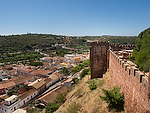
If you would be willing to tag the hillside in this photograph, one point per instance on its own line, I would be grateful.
(89, 100)
(15, 43)
(141, 54)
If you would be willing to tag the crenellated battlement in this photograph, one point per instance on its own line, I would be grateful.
(134, 83)
(99, 44)
(120, 47)
(130, 69)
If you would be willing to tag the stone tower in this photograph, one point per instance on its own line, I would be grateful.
(99, 59)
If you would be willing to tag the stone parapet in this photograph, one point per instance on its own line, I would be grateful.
(133, 82)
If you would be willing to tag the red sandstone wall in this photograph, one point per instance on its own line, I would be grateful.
(133, 83)
(98, 59)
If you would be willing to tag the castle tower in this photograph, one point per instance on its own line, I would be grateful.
(98, 59)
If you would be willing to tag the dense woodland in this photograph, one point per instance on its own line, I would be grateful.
(141, 54)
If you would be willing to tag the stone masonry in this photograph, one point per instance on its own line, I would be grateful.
(99, 61)
(134, 83)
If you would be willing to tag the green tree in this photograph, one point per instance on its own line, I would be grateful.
(51, 107)
(141, 54)
(26, 87)
(10, 92)
(84, 72)
(36, 63)
(64, 70)
(80, 66)
(114, 98)
(75, 80)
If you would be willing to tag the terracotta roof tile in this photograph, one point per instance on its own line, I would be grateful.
(9, 84)
(54, 76)
(40, 71)
(57, 73)
(26, 94)
(38, 84)
(48, 80)
(22, 79)
(49, 97)
(24, 69)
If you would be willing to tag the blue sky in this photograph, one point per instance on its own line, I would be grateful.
(75, 17)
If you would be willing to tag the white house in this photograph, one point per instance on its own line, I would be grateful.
(10, 105)
(15, 102)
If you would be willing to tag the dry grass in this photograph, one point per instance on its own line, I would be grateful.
(89, 100)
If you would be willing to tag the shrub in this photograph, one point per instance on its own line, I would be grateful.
(10, 92)
(75, 80)
(74, 108)
(98, 82)
(84, 72)
(92, 85)
(79, 93)
(26, 87)
(51, 107)
(114, 98)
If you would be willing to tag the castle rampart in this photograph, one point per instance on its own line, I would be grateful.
(133, 82)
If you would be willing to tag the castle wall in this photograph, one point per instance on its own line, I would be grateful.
(98, 59)
(133, 83)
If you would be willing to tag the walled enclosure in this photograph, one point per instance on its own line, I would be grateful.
(133, 82)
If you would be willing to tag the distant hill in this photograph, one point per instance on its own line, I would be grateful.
(16, 43)
(141, 54)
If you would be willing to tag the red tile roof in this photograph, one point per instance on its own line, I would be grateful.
(40, 72)
(9, 84)
(26, 94)
(57, 73)
(38, 84)
(25, 69)
(50, 96)
(22, 79)
(48, 80)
